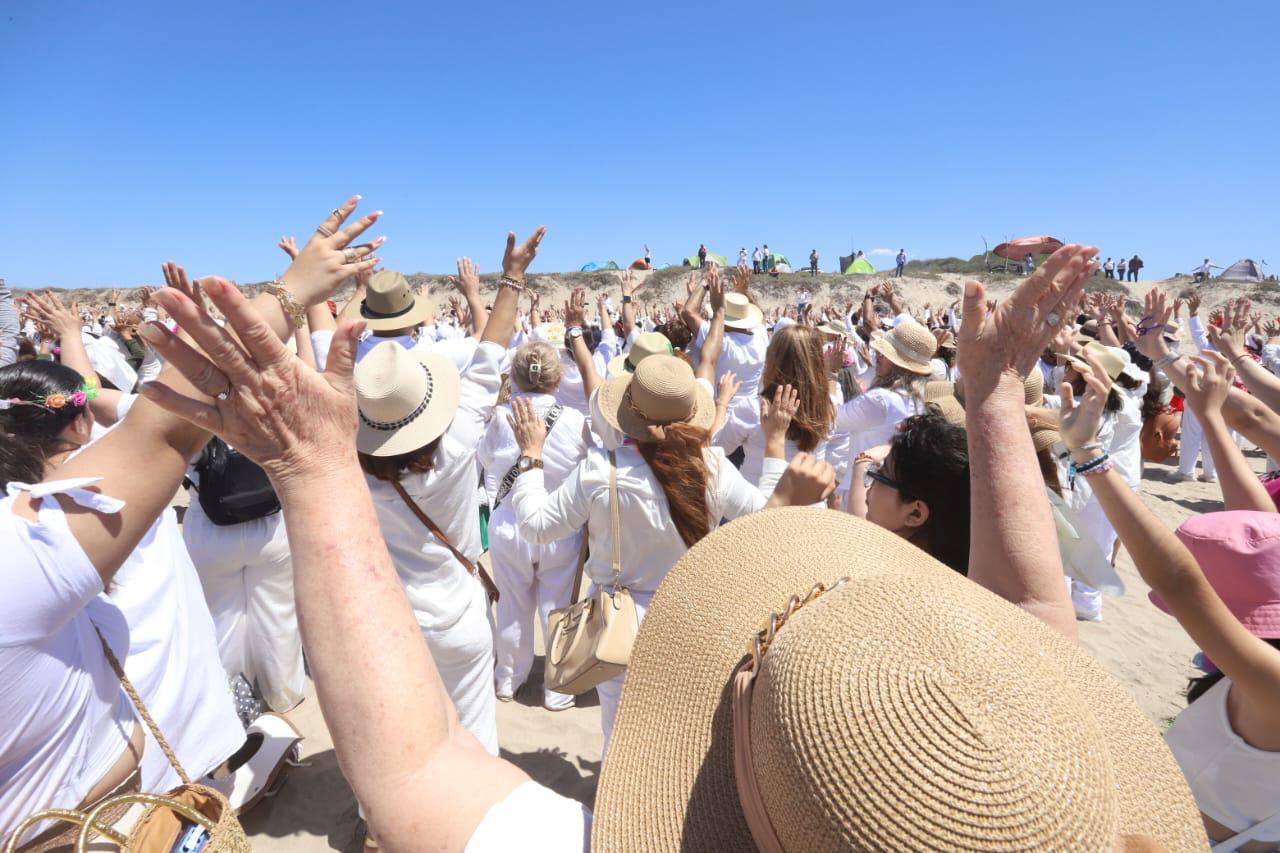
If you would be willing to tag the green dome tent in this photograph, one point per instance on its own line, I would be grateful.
(692, 260)
(612, 265)
(859, 266)
(773, 259)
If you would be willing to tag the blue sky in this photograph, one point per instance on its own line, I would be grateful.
(137, 132)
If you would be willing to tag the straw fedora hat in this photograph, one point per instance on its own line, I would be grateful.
(647, 344)
(942, 394)
(1107, 356)
(740, 313)
(389, 303)
(661, 391)
(908, 345)
(829, 328)
(407, 399)
(908, 708)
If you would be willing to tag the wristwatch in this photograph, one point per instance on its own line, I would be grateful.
(525, 463)
(573, 332)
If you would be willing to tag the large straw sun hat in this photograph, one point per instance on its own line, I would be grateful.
(907, 708)
(389, 303)
(908, 345)
(740, 313)
(662, 391)
(407, 399)
(646, 344)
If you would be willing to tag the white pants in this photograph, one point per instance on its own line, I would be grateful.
(247, 573)
(1193, 445)
(463, 654)
(529, 577)
(611, 691)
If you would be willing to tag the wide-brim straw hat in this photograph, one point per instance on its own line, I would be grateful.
(552, 333)
(909, 345)
(740, 313)
(942, 394)
(662, 391)
(646, 344)
(908, 708)
(1106, 356)
(829, 328)
(407, 398)
(390, 303)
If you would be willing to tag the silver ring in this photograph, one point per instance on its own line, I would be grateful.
(337, 212)
(224, 394)
(349, 255)
(325, 231)
(1051, 319)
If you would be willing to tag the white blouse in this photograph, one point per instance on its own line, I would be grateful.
(438, 587)
(742, 354)
(872, 418)
(565, 447)
(742, 429)
(650, 545)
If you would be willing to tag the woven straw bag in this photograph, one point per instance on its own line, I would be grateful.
(589, 642)
(162, 821)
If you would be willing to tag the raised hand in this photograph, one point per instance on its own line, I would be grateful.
(1229, 338)
(328, 259)
(468, 279)
(630, 282)
(1193, 304)
(690, 284)
(775, 417)
(726, 389)
(1005, 343)
(1209, 378)
(807, 480)
(516, 259)
(529, 428)
(575, 310)
(1079, 421)
(289, 246)
(715, 286)
(834, 355)
(741, 280)
(48, 311)
(1148, 334)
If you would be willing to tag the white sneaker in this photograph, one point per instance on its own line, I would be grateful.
(1209, 478)
(1180, 477)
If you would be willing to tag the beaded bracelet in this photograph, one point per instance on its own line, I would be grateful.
(513, 283)
(1097, 465)
(1165, 360)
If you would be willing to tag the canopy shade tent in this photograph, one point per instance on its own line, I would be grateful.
(1016, 250)
(859, 266)
(1245, 270)
(692, 260)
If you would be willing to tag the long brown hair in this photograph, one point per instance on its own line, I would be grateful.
(678, 466)
(795, 358)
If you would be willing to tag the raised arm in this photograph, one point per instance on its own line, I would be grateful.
(714, 343)
(64, 322)
(1230, 341)
(1013, 550)
(630, 284)
(468, 284)
(691, 313)
(575, 314)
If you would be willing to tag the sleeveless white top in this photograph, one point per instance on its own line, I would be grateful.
(1234, 783)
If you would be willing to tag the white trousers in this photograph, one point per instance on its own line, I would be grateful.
(531, 578)
(463, 654)
(611, 691)
(1193, 445)
(247, 574)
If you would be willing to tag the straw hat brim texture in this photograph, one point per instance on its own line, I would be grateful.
(907, 709)
(426, 427)
(418, 313)
(754, 318)
(617, 412)
(881, 344)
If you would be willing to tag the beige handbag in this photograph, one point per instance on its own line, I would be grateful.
(164, 818)
(589, 642)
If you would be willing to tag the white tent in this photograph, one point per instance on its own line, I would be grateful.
(1244, 270)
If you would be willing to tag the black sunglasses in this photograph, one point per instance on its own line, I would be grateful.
(873, 475)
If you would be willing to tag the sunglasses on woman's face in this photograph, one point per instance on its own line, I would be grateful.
(874, 475)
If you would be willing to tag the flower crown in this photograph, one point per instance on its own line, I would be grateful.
(88, 391)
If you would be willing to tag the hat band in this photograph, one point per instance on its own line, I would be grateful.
(407, 419)
(369, 314)
(631, 368)
(631, 404)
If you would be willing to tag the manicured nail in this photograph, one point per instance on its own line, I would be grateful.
(358, 197)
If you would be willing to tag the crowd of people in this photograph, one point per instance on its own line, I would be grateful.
(853, 543)
(1122, 270)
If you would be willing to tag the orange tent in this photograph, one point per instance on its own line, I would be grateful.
(1016, 250)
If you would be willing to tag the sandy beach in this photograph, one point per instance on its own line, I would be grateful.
(1141, 646)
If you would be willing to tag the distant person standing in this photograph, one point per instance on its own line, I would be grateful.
(802, 301)
(1121, 268)
(765, 263)
(1135, 264)
(742, 257)
(902, 263)
(1029, 264)
(1109, 268)
(757, 258)
(702, 256)
(813, 262)
(648, 257)
(1205, 271)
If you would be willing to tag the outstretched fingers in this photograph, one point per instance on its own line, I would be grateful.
(218, 345)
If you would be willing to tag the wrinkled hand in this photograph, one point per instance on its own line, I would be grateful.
(775, 417)
(516, 259)
(280, 413)
(806, 481)
(468, 279)
(530, 430)
(1209, 378)
(1079, 421)
(321, 265)
(1004, 344)
(289, 246)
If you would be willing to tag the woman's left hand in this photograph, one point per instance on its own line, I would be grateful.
(322, 264)
(528, 426)
(776, 418)
(1208, 383)
(1079, 422)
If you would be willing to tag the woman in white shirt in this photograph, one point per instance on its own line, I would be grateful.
(672, 487)
(902, 369)
(794, 358)
(531, 577)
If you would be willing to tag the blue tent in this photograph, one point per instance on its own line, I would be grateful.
(590, 266)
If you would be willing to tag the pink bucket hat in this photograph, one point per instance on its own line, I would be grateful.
(1239, 552)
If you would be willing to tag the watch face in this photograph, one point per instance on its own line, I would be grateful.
(524, 463)
(575, 332)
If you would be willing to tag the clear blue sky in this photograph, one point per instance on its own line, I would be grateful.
(131, 133)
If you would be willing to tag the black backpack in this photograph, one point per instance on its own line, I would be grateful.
(232, 488)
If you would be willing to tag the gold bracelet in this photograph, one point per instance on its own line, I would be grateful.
(511, 282)
(292, 307)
